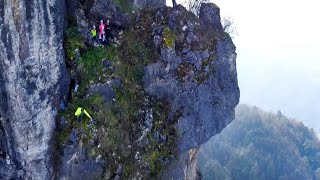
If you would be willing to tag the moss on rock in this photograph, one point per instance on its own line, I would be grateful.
(168, 38)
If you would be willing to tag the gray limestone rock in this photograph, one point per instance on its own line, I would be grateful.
(73, 137)
(75, 165)
(119, 170)
(33, 79)
(184, 168)
(107, 9)
(157, 41)
(207, 101)
(208, 106)
(106, 90)
(144, 4)
(210, 15)
(199, 82)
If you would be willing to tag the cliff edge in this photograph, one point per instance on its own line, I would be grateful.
(165, 84)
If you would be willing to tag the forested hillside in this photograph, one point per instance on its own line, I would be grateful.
(260, 145)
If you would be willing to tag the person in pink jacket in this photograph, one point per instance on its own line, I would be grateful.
(102, 31)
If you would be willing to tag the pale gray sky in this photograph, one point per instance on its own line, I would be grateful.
(278, 55)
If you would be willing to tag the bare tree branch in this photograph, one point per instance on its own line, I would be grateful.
(194, 5)
(229, 26)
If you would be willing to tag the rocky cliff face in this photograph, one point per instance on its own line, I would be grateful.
(33, 78)
(200, 81)
(167, 84)
(176, 88)
(144, 4)
(198, 76)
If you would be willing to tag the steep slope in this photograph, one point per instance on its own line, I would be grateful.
(261, 145)
(167, 85)
(196, 74)
(33, 78)
(208, 92)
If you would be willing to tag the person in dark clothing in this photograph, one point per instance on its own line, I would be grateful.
(108, 31)
(174, 3)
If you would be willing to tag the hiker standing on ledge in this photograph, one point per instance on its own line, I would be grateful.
(94, 34)
(102, 31)
(79, 113)
(108, 32)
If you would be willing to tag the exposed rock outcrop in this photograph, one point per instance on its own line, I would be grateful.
(210, 15)
(183, 168)
(172, 86)
(200, 82)
(181, 80)
(144, 4)
(108, 9)
(33, 79)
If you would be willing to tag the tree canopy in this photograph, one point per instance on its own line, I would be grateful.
(261, 145)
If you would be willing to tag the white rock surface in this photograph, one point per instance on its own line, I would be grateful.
(33, 78)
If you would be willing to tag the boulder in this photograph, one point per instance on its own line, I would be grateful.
(106, 90)
(146, 4)
(210, 15)
(74, 165)
(201, 82)
(107, 9)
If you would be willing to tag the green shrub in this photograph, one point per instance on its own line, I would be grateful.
(119, 123)
(88, 104)
(72, 40)
(92, 67)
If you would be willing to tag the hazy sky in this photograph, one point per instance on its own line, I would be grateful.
(278, 55)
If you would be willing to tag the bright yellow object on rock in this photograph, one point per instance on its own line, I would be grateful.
(79, 112)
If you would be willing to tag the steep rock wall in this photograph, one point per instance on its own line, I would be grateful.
(33, 78)
(143, 4)
(197, 76)
(192, 67)
(195, 73)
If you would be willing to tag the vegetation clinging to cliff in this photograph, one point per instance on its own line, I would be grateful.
(73, 40)
(118, 124)
(260, 145)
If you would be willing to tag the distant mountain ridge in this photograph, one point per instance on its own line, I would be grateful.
(261, 145)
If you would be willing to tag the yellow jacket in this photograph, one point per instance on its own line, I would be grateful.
(94, 32)
(78, 112)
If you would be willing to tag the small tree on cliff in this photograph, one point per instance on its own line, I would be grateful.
(194, 5)
(229, 26)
